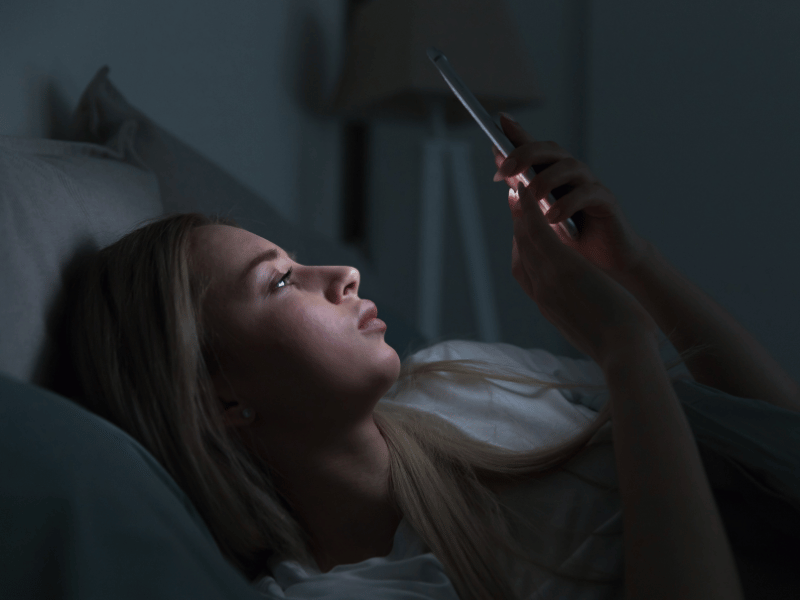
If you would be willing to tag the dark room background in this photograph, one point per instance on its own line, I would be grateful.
(687, 110)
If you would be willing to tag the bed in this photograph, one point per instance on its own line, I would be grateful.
(86, 512)
(60, 199)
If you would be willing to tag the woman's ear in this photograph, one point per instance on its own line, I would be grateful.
(223, 393)
(235, 414)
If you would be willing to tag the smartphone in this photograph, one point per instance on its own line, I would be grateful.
(490, 128)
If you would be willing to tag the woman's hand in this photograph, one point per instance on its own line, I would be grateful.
(606, 238)
(593, 312)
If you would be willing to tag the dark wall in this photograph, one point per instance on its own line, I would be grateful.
(694, 125)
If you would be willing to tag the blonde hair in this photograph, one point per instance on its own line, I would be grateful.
(143, 355)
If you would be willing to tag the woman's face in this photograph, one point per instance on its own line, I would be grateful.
(290, 349)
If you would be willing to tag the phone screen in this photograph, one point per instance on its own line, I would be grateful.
(490, 128)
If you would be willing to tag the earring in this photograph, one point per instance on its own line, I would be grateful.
(247, 413)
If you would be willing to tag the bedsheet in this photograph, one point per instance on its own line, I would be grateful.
(572, 520)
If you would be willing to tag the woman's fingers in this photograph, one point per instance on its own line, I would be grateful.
(569, 172)
(531, 153)
(583, 196)
(514, 131)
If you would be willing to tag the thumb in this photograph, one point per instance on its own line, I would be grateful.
(514, 131)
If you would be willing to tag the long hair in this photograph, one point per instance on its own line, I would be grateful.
(143, 354)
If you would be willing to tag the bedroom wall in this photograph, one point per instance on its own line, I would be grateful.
(677, 93)
(694, 125)
(236, 80)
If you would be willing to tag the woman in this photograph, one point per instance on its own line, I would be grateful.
(246, 375)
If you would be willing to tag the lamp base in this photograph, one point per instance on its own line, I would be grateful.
(434, 155)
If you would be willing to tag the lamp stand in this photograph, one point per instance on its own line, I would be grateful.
(465, 208)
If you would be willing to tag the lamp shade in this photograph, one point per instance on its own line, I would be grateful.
(387, 73)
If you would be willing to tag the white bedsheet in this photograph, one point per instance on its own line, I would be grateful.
(748, 436)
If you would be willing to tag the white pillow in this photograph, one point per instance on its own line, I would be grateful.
(57, 200)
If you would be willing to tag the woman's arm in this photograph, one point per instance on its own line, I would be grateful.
(738, 364)
(676, 547)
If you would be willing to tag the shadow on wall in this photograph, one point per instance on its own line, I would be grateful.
(58, 111)
(305, 66)
(47, 107)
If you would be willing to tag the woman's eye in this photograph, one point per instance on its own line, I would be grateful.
(285, 278)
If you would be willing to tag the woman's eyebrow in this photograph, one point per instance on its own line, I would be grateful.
(266, 256)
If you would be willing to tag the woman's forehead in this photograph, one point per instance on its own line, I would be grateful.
(213, 239)
(222, 247)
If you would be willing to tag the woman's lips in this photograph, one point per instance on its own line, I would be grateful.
(374, 325)
(368, 312)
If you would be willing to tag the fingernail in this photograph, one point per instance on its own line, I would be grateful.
(507, 167)
(509, 117)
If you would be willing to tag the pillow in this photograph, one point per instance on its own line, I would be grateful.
(87, 512)
(57, 200)
(190, 182)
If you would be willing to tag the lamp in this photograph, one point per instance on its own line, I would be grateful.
(387, 75)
